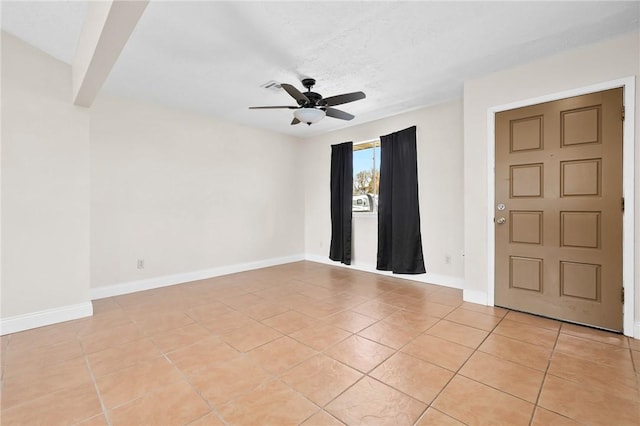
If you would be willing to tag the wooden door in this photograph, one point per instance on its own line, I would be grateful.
(559, 207)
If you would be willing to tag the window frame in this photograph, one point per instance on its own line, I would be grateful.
(359, 146)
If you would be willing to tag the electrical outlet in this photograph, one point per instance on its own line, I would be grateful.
(140, 263)
(447, 259)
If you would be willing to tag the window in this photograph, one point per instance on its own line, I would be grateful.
(366, 176)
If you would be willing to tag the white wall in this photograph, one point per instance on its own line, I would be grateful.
(45, 186)
(440, 160)
(582, 67)
(187, 193)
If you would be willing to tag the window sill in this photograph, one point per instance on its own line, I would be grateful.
(368, 215)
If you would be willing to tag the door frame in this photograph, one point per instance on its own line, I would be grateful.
(628, 188)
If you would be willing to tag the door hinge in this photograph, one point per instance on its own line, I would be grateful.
(622, 205)
(622, 294)
(622, 114)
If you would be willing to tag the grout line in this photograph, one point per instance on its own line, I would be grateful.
(212, 409)
(544, 378)
(457, 372)
(105, 412)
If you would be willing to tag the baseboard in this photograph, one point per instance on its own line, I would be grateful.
(438, 279)
(167, 280)
(46, 317)
(475, 296)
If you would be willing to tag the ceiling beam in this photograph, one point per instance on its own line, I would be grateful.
(104, 34)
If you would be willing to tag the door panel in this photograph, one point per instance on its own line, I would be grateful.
(559, 175)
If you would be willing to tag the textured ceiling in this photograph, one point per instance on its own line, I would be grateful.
(212, 57)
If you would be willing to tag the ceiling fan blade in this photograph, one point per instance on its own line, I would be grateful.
(336, 113)
(274, 107)
(345, 98)
(295, 93)
(294, 121)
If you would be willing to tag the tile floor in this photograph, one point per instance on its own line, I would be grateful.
(312, 344)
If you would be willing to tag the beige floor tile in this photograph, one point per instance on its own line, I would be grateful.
(250, 336)
(321, 378)
(375, 309)
(290, 322)
(458, 333)
(418, 379)
(122, 356)
(180, 337)
(586, 405)
(615, 380)
(527, 333)
(438, 351)
(534, 320)
(507, 376)
(433, 417)
(101, 322)
(271, 404)
(450, 297)
(345, 300)
(24, 362)
(543, 417)
(369, 399)
(350, 321)
(411, 320)
(320, 336)
(222, 382)
(487, 310)
(111, 337)
(20, 388)
(322, 418)
(38, 338)
(99, 420)
(513, 350)
(242, 301)
(597, 335)
(202, 354)
(591, 350)
(227, 322)
(67, 406)
(163, 321)
(389, 334)
(104, 305)
(482, 404)
(432, 309)
(211, 419)
(360, 353)
(177, 403)
(133, 382)
(411, 340)
(263, 310)
(473, 319)
(281, 354)
(208, 312)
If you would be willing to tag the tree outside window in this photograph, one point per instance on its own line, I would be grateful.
(366, 176)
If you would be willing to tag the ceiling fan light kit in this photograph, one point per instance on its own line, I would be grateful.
(309, 115)
(312, 107)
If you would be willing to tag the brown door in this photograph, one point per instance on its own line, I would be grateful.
(558, 209)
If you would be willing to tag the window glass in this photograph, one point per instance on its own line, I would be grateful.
(366, 176)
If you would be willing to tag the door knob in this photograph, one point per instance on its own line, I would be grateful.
(501, 220)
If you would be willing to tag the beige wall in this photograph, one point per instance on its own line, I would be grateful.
(87, 192)
(45, 184)
(187, 193)
(440, 159)
(582, 67)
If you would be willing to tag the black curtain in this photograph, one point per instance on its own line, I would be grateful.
(399, 239)
(341, 199)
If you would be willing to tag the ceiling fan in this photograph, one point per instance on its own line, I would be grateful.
(312, 107)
